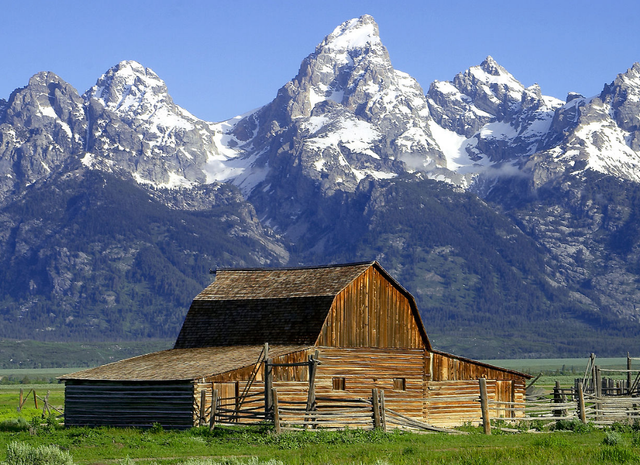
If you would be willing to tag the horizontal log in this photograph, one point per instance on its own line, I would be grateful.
(284, 416)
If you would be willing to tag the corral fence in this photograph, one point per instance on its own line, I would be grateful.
(327, 413)
(592, 399)
(567, 404)
(332, 413)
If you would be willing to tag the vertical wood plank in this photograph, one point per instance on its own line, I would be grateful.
(268, 385)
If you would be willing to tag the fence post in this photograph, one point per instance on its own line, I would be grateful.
(21, 400)
(45, 407)
(311, 393)
(558, 398)
(203, 406)
(376, 408)
(383, 414)
(598, 390)
(628, 374)
(276, 411)
(214, 408)
(35, 399)
(268, 385)
(583, 413)
(484, 404)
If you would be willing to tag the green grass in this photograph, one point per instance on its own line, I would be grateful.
(109, 445)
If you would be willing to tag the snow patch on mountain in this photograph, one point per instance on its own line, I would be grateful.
(354, 34)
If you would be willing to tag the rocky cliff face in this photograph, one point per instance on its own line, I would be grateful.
(41, 126)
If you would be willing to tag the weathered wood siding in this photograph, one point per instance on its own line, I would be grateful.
(371, 312)
(449, 367)
(129, 404)
(365, 369)
(453, 403)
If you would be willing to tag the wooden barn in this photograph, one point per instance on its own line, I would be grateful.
(334, 332)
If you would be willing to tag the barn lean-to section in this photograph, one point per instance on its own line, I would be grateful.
(363, 327)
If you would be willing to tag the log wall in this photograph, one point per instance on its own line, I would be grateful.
(129, 404)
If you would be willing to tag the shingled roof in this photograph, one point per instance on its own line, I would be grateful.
(253, 306)
(180, 364)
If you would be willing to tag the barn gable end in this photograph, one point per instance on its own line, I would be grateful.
(373, 311)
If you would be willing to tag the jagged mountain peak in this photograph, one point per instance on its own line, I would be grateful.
(353, 34)
(490, 73)
(626, 85)
(490, 66)
(129, 87)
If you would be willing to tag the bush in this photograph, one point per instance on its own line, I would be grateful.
(612, 438)
(19, 453)
(573, 425)
(14, 425)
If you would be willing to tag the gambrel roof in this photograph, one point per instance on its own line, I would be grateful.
(278, 306)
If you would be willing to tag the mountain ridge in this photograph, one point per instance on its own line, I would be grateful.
(516, 206)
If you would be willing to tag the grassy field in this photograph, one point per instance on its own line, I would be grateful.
(106, 446)
(17, 354)
(561, 365)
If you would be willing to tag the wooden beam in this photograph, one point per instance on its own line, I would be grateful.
(203, 404)
(376, 408)
(268, 385)
(276, 411)
(583, 413)
(214, 408)
(484, 404)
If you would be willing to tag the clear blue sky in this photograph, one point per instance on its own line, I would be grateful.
(220, 59)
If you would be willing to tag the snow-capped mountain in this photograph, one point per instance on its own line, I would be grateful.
(134, 125)
(600, 133)
(348, 114)
(344, 164)
(487, 122)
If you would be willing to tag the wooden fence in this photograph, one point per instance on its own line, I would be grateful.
(569, 404)
(47, 408)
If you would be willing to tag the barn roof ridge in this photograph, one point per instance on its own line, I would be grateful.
(304, 267)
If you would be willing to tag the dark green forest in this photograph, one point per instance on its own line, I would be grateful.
(97, 258)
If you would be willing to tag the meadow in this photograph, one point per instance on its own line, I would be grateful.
(559, 443)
